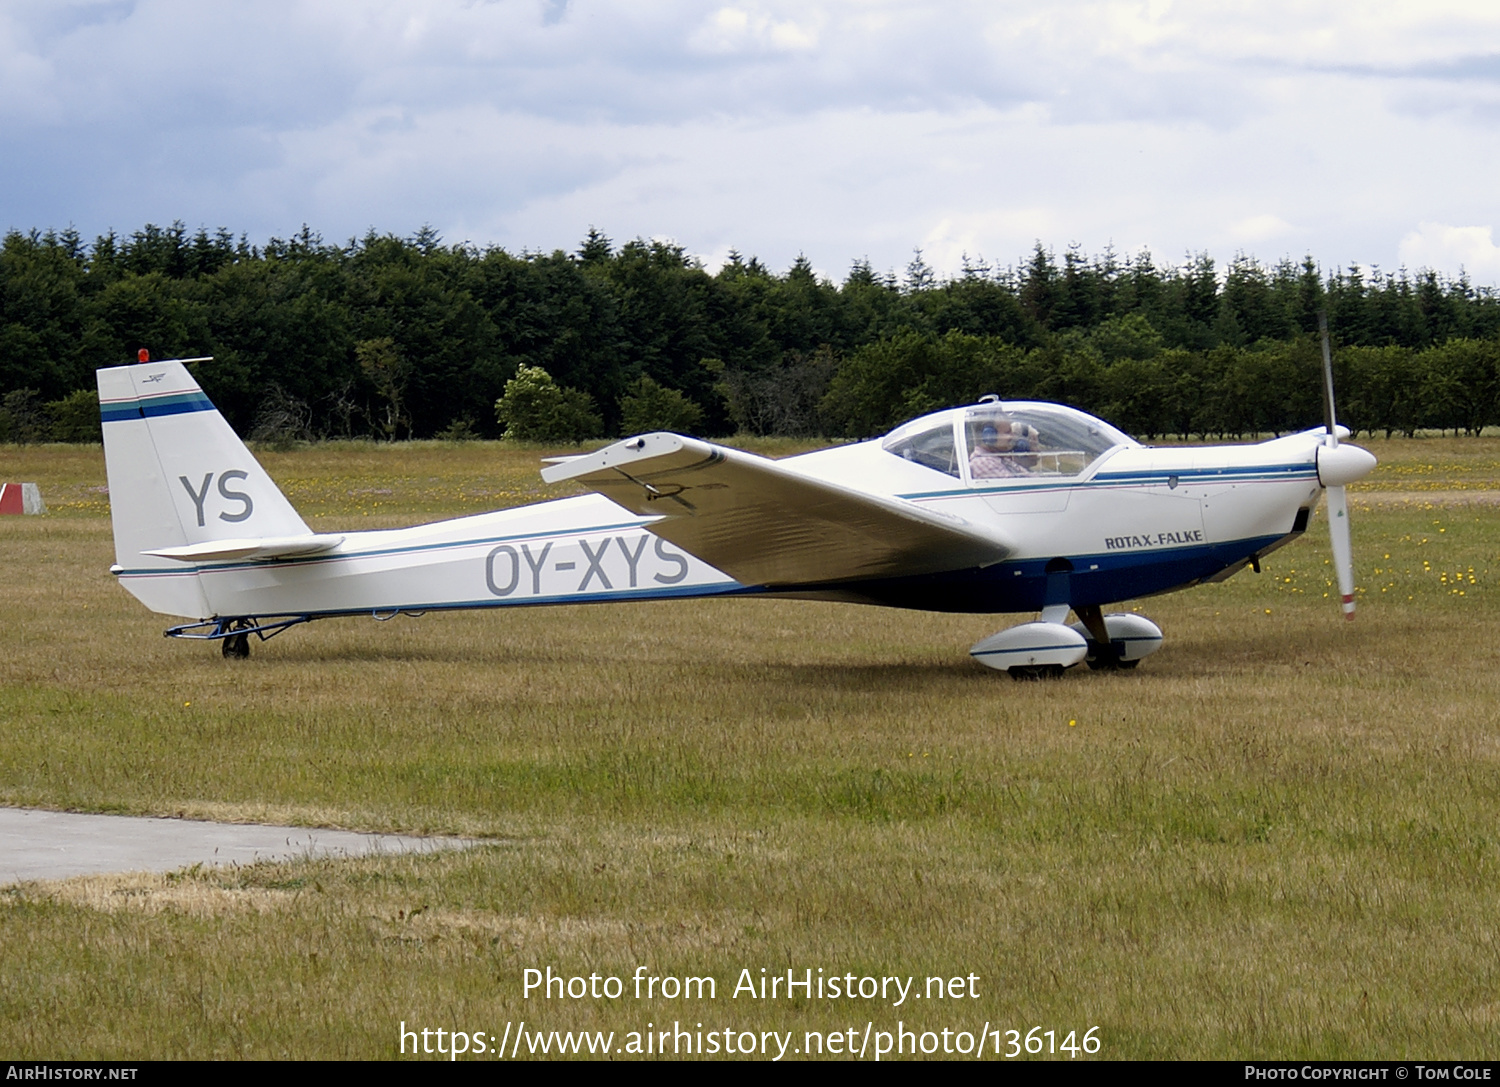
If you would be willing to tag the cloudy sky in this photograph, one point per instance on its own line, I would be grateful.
(843, 129)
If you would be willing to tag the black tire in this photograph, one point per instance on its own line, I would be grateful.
(1106, 658)
(236, 647)
(1036, 671)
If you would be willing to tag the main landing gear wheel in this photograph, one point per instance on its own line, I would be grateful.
(1108, 656)
(1118, 641)
(236, 647)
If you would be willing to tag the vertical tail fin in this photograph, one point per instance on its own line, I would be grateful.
(178, 476)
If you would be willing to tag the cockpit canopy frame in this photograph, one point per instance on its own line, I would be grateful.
(995, 441)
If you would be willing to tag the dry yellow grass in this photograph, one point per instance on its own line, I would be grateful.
(1276, 838)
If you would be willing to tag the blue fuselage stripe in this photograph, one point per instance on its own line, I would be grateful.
(1270, 473)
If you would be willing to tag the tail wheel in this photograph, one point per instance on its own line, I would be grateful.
(236, 647)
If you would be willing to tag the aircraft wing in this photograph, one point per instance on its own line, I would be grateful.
(763, 523)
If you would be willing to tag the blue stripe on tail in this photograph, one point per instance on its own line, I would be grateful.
(151, 407)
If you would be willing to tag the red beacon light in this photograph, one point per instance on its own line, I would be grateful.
(143, 355)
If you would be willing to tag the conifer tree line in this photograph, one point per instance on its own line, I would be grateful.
(395, 337)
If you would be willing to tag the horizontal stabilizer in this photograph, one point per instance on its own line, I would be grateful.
(267, 548)
(765, 523)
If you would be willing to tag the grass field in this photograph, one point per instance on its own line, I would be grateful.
(1280, 837)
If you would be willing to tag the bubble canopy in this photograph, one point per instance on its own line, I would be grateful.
(997, 440)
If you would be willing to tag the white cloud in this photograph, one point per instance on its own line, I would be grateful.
(972, 235)
(841, 128)
(1259, 228)
(1451, 249)
(732, 30)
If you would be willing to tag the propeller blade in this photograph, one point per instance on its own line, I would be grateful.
(1328, 421)
(1343, 552)
(1338, 498)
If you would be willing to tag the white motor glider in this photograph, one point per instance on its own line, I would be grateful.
(995, 507)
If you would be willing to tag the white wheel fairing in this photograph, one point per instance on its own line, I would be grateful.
(1031, 645)
(1135, 635)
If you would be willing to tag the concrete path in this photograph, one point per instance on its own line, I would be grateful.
(56, 845)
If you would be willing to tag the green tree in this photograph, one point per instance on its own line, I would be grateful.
(1458, 384)
(1128, 337)
(783, 399)
(24, 418)
(417, 293)
(648, 406)
(535, 409)
(909, 374)
(75, 418)
(1139, 394)
(555, 312)
(1272, 388)
(382, 363)
(282, 420)
(1378, 388)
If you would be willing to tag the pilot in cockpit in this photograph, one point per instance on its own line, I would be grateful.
(1004, 449)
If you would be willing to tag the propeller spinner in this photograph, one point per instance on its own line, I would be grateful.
(1339, 466)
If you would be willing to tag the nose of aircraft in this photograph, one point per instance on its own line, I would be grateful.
(1340, 465)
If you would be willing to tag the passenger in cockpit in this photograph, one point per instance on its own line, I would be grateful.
(1004, 449)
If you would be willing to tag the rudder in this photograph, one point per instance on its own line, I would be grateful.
(178, 475)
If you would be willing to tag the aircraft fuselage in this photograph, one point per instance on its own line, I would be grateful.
(1138, 521)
